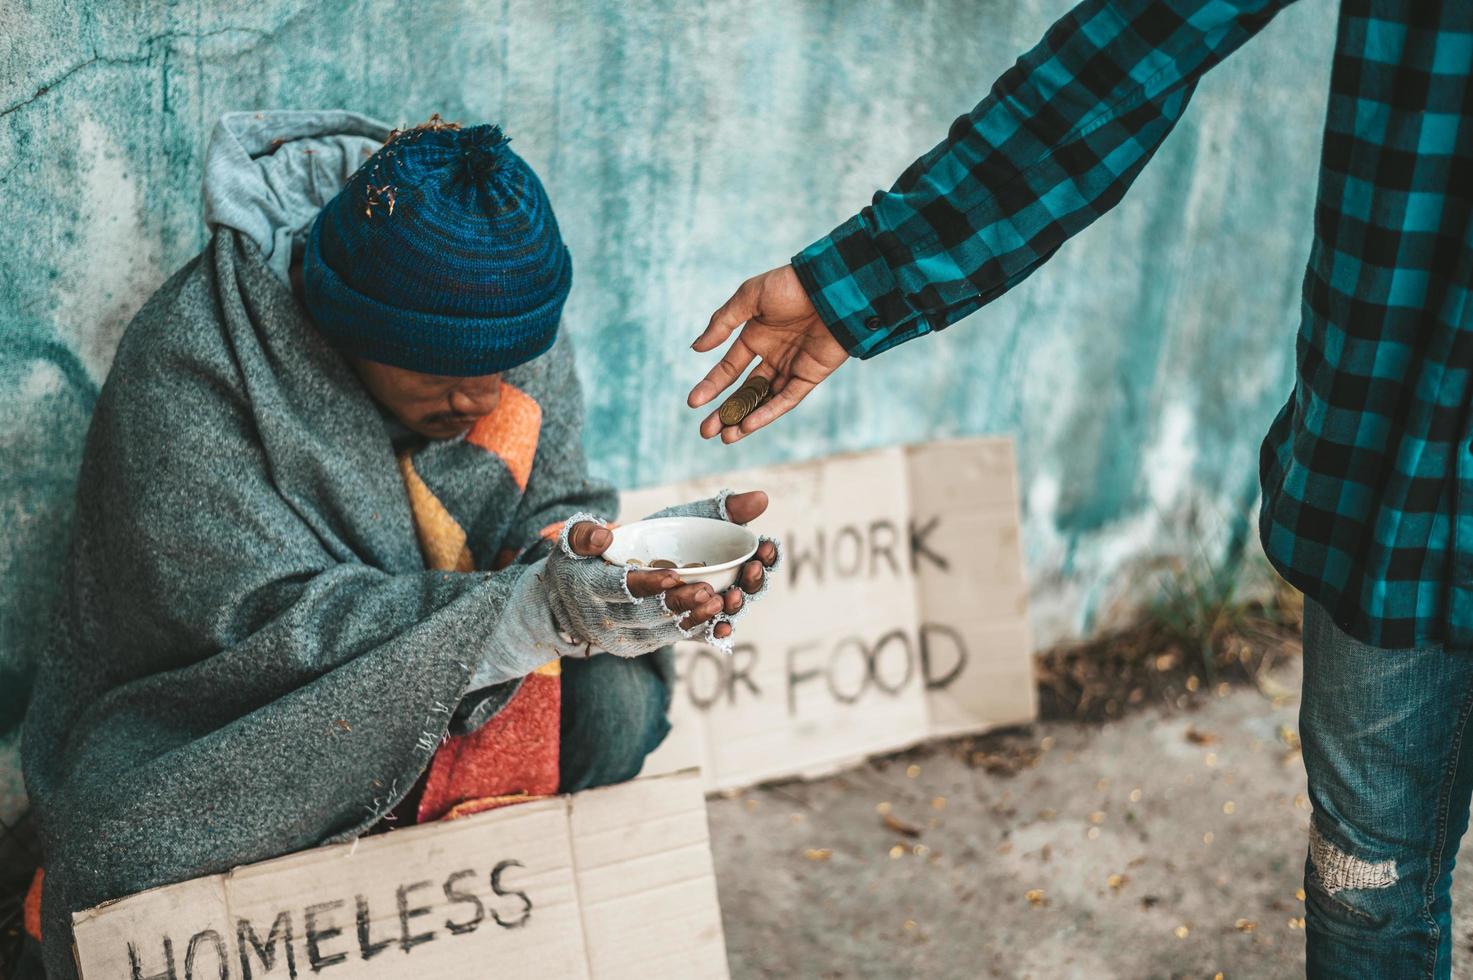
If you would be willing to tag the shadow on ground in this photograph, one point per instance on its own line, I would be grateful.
(1166, 844)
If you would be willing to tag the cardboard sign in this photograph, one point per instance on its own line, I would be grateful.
(609, 883)
(900, 615)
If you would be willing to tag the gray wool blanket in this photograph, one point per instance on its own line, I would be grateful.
(251, 657)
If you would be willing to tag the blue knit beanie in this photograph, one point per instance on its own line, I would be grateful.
(441, 255)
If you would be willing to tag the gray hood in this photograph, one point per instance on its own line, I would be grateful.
(267, 174)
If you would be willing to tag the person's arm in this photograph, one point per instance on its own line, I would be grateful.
(1054, 146)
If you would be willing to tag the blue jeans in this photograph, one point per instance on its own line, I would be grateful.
(614, 714)
(1390, 778)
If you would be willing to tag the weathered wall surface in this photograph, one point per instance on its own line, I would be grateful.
(685, 147)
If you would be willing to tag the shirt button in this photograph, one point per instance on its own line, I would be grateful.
(873, 323)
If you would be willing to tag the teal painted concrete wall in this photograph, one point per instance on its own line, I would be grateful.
(686, 146)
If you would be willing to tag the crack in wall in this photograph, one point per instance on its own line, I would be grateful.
(146, 54)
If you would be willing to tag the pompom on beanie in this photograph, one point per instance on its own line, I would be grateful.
(440, 255)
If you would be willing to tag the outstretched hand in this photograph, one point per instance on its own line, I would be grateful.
(783, 329)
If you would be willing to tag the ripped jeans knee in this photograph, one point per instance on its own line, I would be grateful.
(1352, 883)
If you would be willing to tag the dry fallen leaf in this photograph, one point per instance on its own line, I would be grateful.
(1035, 897)
(1198, 737)
(1245, 925)
(894, 823)
(1117, 882)
(818, 853)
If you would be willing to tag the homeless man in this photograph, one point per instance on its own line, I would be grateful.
(333, 540)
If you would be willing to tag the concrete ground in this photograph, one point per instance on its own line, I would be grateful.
(1162, 845)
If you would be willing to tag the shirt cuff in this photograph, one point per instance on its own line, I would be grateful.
(855, 293)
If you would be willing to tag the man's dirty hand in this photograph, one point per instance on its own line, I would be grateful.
(742, 508)
(783, 329)
(591, 541)
(697, 603)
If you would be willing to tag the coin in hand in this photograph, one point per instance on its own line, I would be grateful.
(744, 400)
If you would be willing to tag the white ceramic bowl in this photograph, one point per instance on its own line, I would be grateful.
(719, 547)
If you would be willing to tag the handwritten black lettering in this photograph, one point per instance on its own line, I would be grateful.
(882, 542)
(930, 632)
(800, 557)
(855, 644)
(217, 942)
(137, 967)
(742, 659)
(496, 874)
(919, 548)
(246, 939)
(453, 894)
(316, 936)
(401, 895)
(260, 957)
(908, 659)
(699, 696)
(796, 677)
(367, 947)
(848, 565)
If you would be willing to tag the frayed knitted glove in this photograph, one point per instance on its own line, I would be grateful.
(591, 602)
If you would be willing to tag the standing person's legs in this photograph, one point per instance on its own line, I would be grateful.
(1390, 777)
(614, 714)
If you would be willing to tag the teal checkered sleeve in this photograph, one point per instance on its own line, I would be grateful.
(1367, 473)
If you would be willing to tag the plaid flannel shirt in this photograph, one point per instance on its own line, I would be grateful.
(1367, 473)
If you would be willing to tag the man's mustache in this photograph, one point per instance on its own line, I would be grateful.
(449, 418)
